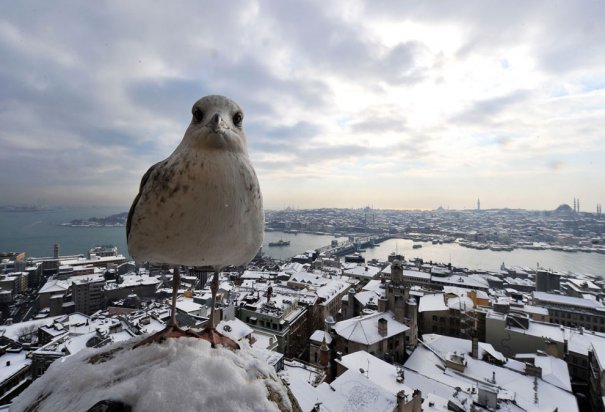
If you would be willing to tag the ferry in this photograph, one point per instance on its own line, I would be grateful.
(280, 243)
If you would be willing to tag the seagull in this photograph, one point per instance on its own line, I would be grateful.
(200, 207)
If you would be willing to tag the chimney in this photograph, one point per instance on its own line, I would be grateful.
(413, 405)
(475, 348)
(533, 370)
(324, 359)
(382, 327)
(382, 304)
(350, 303)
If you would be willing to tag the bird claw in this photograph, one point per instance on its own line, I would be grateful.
(216, 339)
(172, 331)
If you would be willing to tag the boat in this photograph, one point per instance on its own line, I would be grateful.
(280, 243)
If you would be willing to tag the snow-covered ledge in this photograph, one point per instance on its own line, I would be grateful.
(179, 374)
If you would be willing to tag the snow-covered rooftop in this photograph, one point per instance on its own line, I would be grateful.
(353, 391)
(12, 362)
(364, 329)
(509, 383)
(234, 329)
(467, 281)
(432, 303)
(54, 285)
(320, 335)
(362, 271)
(378, 371)
(567, 300)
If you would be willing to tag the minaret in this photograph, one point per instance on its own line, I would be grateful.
(324, 359)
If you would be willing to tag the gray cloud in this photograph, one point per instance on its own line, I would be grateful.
(484, 111)
(326, 41)
(563, 36)
(380, 119)
(94, 95)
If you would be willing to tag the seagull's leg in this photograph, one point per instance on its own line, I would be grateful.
(172, 329)
(176, 282)
(209, 333)
(213, 290)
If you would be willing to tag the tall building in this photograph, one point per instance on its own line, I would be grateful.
(88, 294)
(478, 204)
(547, 281)
(398, 300)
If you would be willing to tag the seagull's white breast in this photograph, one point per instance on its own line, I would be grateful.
(199, 208)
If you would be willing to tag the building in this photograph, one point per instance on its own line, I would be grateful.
(596, 358)
(465, 373)
(379, 334)
(547, 281)
(572, 311)
(15, 373)
(87, 293)
(281, 314)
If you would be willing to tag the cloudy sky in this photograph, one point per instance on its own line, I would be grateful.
(396, 104)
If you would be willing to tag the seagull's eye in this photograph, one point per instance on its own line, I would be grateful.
(238, 118)
(198, 115)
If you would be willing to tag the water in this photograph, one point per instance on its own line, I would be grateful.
(36, 232)
(579, 262)
(299, 243)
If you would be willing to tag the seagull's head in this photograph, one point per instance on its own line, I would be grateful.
(217, 123)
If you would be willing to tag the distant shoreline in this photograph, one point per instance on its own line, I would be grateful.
(24, 209)
(117, 220)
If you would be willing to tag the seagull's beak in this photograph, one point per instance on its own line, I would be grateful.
(216, 123)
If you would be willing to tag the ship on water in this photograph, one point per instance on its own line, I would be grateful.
(280, 243)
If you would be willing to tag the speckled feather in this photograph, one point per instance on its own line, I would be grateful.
(202, 206)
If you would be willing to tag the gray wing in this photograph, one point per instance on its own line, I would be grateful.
(136, 199)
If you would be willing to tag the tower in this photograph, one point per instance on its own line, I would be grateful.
(396, 293)
(324, 359)
(412, 315)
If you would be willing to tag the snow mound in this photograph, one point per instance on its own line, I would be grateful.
(178, 375)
